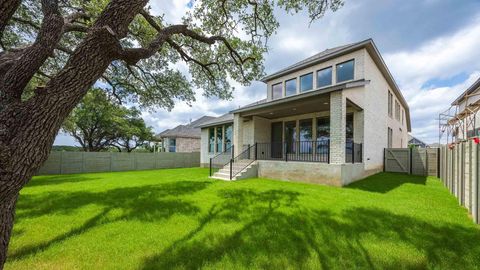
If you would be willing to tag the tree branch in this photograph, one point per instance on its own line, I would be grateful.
(7, 9)
(32, 58)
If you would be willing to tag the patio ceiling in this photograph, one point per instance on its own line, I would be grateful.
(300, 106)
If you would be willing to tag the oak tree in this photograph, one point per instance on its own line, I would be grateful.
(54, 51)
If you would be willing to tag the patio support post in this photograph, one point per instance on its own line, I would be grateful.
(338, 113)
(237, 133)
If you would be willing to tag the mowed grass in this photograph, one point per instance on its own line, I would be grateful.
(180, 219)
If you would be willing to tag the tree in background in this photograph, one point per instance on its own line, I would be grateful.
(133, 132)
(97, 123)
(53, 52)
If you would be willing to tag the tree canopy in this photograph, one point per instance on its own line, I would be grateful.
(98, 123)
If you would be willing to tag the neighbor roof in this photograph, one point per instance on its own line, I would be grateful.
(475, 86)
(186, 131)
(224, 119)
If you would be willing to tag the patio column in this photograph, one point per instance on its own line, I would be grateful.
(358, 117)
(338, 113)
(237, 134)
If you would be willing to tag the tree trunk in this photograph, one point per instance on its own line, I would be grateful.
(7, 212)
(28, 128)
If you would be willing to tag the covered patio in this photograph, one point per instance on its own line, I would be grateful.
(321, 127)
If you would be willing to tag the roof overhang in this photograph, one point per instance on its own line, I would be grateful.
(303, 96)
(372, 49)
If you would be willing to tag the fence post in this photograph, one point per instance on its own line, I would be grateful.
(231, 162)
(384, 158)
(353, 152)
(210, 166)
(256, 147)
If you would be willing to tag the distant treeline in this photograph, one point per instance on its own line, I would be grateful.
(70, 148)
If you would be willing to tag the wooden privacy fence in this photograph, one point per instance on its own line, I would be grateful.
(460, 174)
(85, 162)
(417, 161)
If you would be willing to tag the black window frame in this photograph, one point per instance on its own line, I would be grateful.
(286, 91)
(331, 76)
(300, 78)
(281, 90)
(353, 71)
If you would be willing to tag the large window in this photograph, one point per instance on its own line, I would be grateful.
(172, 145)
(219, 139)
(291, 136)
(291, 87)
(305, 136)
(397, 110)
(228, 136)
(390, 103)
(277, 91)
(306, 82)
(323, 129)
(211, 140)
(349, 128)
(324, 77)
(345, 71)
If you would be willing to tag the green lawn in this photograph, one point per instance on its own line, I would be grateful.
(180, 219)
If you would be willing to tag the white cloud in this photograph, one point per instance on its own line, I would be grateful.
(439, 59)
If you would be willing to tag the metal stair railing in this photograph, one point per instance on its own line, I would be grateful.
(249, 154)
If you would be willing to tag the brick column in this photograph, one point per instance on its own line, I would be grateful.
(237, 134)
(338, 111)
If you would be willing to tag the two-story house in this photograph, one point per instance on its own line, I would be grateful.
(326, 119)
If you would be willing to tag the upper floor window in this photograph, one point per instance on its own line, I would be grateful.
(277, 91)
(397, 110)
(390, 104)
(324, 77)
(345, 71)
(306, 82)
(291, 87)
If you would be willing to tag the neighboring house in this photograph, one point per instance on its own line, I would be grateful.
(183, 138)
(326, 119)
(462, 120)
(416, 142)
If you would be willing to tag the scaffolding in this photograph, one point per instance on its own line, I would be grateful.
(458, 123)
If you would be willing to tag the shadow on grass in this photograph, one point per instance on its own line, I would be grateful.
(147, 203)
(60, 179)
(385, 182)
(277, 233)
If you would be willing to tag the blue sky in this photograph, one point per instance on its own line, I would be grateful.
(430, 46)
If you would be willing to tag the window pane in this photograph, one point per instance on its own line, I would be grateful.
(349, 127)
(228, 136)
(277, 91)
(306, 82)
(211, 140)
(291, 87)
(323, 129)
(345, 71)
(306, 136)
(219, 139)
(324, 77)
(172, 145)
(290, 136)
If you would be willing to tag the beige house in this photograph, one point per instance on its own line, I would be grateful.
(183, 138)
(326, 119)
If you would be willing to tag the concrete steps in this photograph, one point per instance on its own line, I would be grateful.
(245, 172)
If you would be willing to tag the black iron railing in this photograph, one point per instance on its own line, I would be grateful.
(243, 160)
(307, 151)
(221, 159)
(353, 152)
